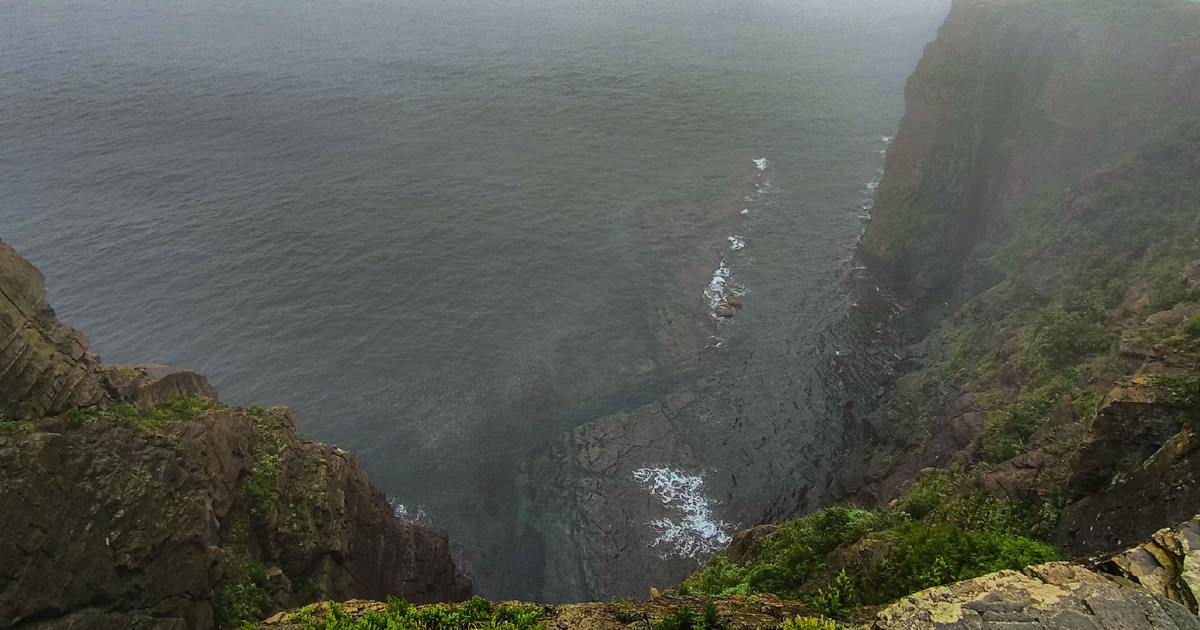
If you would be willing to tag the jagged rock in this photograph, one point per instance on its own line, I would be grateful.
(1014, 478)
(1191, 275)
(1168, 565)
(104, 525)
(132, 522)
(966, 428)
(1129, 427)
(1056, 595)
(1164, 488)
(747, 544)
(154, 385)
(734, 301)
(45, 367)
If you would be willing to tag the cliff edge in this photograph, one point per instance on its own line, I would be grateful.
(131, 497)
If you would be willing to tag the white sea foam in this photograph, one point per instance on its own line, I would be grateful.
(736, 242)
(746, 211)
(872, 185)
(721, 280)
(886, 139)
(418, 515)
(696, 531)
(761, 163)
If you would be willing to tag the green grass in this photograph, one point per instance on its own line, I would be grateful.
(1008, 427)
(262, 484)
(243, 592)
(809, 623)
(934, 555)
(12, 426)
(129, 372)
(179, 408)
(831, 600)
(306, 496)
(787, 557)
(1086, 403)
(1060, 338)
(929, 491)
(684, 618)
(476, 614)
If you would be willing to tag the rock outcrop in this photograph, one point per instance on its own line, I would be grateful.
(130, 497)
(1056, 595)
(1012, 96)
(1166, 565)
(45, 367)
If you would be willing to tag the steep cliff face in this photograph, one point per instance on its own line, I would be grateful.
(1014, 96)
(44, 366)
(132, 498)
(1040, 205)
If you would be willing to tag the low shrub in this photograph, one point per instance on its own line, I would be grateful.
(786, 558)
(809, 623)
(1059, 338)
(1087, 403)
(935, 555)
(179, 408)
(12, 426)
(830, 601)
(243, 592)
(477, 613)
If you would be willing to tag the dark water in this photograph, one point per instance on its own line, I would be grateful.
(446, 231)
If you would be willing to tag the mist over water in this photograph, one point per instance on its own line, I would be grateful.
(446, 232)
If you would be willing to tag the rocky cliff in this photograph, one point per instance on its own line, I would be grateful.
(1039, 210)
(131, 497)
(1012, 97)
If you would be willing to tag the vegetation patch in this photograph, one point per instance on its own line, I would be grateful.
(809, 623)
(306, 496)
(476, 614)
(1059, 338)
(1008, 428)
(935, 555)
(684, 618)
(179, 408)
(262, 485)
(12, 426)
(783, 563)
(830, 601)
(243, 592)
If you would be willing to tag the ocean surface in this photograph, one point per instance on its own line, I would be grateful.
(446, 232)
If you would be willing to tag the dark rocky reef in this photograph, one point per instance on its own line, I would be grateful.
(131, 498)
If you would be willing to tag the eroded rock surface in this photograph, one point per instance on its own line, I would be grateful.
(45, 367)
(1056, 595)
(180, 516)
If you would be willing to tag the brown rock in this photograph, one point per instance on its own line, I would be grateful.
(1056, 595)
(120, 520)
(966, 428)
(734, 301)
(44, 366)
(155, 384)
